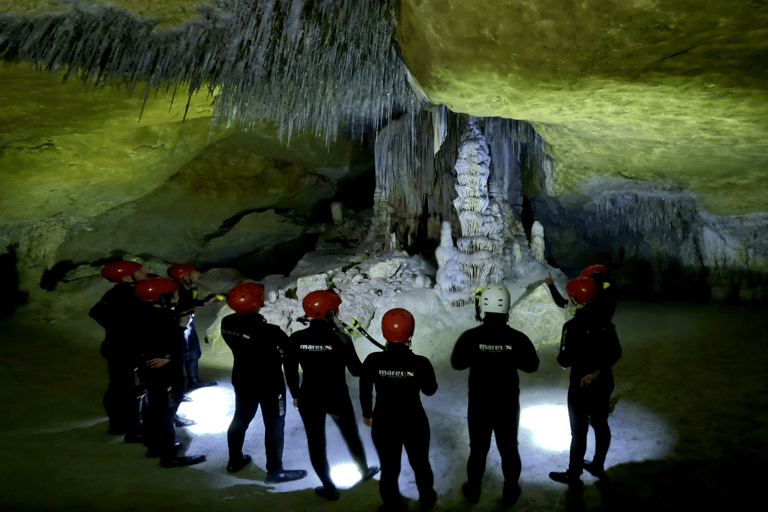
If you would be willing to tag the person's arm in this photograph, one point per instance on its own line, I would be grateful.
(559, 300)
(527, 359)
(351, 359)
(565, 356)
(428, 382)
(366, 388)
(291, 367)
(462, 351)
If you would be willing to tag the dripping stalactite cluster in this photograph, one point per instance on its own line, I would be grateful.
(303, 64)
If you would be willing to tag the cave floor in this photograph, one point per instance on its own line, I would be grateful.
(689, 423)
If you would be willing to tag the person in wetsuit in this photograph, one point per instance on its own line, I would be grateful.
(324, 354)
(494, 352)
(160, 369)
(115, 313)
(590, 347)
(398, 420)
(257, 377)
(188, 276)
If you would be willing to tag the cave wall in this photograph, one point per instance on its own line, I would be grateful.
(657, 242)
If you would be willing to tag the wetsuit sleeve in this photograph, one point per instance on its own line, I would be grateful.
(559, 300)
(527, 359)
(351, 360)
(366, 387)
(291, 366)
(428, 382)
(462, 352)
(565, 356)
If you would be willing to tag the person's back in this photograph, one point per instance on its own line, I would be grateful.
(256, 346)
(399, 376)
(492, 351)
(324, 355)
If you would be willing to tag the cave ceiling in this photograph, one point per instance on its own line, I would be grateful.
(667, 91)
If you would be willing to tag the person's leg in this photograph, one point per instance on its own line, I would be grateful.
(506, 427)
(344, 417)
(579, 419)
(480, 430)
(598, 415)
(246, 405)
(417, 448)
(273, 412)
(389, 446)
(314, 426)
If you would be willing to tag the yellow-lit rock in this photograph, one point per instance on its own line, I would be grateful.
(66, 148)
(659, 90)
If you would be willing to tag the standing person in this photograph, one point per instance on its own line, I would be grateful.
(590, 346)
(324, 353)
(122, 399)
(188, 276)
(494, 352)
(398, 421)
(257, 376)
(160, 370)
(604, 305)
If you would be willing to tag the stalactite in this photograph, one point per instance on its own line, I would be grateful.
(304, 64)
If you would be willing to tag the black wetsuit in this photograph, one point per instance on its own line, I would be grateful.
(190, 350)
(587, 346)
(494, 352)
(399, 420)
(160, 337)
(117, 313)
(324, 354)
(257, 377)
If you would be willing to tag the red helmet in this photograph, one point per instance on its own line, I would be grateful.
(318, 303)
(594, 269)
(119, 270)
(181, 271)
(150, 290)
(583, 289)
(398, 325)
(246, 298)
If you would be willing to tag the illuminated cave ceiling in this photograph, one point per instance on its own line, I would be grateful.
(672, 91)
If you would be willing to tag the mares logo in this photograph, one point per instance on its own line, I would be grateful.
(397, 374)
(315, 348)
(495, 348)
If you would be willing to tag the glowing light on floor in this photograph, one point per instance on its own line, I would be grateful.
(345, 475)
(548, 426)
(211, 408)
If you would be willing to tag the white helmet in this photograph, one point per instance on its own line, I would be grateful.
(495, 299)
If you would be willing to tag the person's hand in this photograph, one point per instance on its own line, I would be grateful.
(368, 422)
(585, 381)
(296, 403)
(157, 362)
(548, 280)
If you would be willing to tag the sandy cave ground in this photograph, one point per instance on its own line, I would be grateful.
(690, 427)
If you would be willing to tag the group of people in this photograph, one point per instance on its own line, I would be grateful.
(265, 358)
(150, 345)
